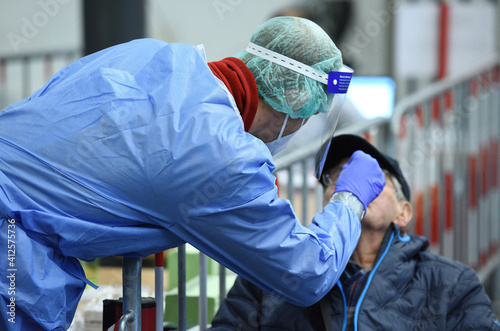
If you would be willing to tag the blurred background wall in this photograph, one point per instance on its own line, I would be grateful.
(394, 38)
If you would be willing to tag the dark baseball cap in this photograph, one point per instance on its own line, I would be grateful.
(343, 146)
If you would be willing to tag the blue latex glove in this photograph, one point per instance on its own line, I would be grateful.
(362, 176)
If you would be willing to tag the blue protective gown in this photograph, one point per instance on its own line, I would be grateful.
(136, 149)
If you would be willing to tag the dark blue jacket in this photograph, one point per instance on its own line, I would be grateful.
(407, 289)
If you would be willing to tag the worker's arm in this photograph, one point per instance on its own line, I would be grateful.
(238, 220)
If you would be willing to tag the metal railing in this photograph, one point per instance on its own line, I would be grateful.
(446, 137)
(132, 307)
(21, 75)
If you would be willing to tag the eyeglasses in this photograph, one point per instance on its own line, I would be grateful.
(330, 178)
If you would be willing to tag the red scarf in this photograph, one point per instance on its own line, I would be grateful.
(241, 83)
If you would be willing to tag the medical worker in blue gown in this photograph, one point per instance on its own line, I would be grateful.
(144, 146)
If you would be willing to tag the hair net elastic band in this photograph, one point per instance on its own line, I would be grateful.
(287, 62)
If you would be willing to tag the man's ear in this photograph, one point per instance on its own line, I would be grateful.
(405, 215)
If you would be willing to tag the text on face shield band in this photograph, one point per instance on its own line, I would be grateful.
(337, 81)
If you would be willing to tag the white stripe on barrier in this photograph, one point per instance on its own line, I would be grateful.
(403, 155)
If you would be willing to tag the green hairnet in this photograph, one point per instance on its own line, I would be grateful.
(283, 89)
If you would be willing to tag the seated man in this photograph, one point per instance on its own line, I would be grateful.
(390, 283)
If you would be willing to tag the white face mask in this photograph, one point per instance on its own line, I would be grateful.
(280, 143)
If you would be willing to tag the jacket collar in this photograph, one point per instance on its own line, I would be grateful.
(405, 246)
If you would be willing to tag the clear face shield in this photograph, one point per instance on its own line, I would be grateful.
(338, 83)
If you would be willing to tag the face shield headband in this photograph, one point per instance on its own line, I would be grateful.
(337, 84)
